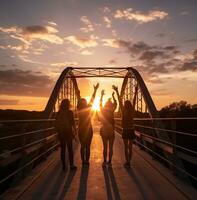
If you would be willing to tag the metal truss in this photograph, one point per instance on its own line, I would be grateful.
(66, 87)
(107, 72)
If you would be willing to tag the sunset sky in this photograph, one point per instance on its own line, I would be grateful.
(38, 38)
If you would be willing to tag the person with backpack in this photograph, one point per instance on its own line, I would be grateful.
(128, 134)
(66, 129)
(107, 128)
(85, 131)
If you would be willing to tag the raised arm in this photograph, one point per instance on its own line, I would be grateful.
(134, 98)
(118, 95)
(94, 94)
(78, 102)
(101, 99)
(114, 99)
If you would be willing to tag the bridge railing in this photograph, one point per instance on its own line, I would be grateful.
(23, 144)
(37, 138)
(182, 144)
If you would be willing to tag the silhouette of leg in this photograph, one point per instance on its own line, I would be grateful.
(62, 152)
(126, 149)
(88, 144)
(87, 152)
(104, 148)
(82, 151)
(70, 150)
(130, 150)
(111, 144)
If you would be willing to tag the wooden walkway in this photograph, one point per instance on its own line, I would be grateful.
(142, 181)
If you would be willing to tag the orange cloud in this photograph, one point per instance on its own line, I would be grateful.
(52, 23)
(107, 22)
(8, 30)
(86, 52)
(88, 25)
(82, 42)
(133, 15)
(111, 43)
(47, 33)
(28, 36)
(106, 9)
(30, 33)
(64, 64)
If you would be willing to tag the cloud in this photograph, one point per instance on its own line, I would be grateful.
(107, 22)
(151, 55)
(30, 40)
(47, 33)
(86, 52)
(140, 17)
(114, 33)
(155, 80)
(106, 9)
(195, 54)
(88, 25)
(8, 30)
(20, 48)
(153, 60)
(9, 102)
(82, 42)
(31, 33)
(64, 64)
(111, 43)
(51, 23)
(31, 30)
(24, 83)
(189, 66)
(188, 62)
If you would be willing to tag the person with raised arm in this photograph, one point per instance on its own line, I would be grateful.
(66, 129)
(85, 131)
(128, 134)
(107, 128)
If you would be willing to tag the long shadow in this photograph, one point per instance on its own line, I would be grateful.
(67, 183)
(137, 182)
(114, 184)
(83, 183)
(57, 181)
(151, 187)
(107, 183)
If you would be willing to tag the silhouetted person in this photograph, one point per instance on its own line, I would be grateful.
(107, 129)
(85, 131)
(128, 134)
(65, 127)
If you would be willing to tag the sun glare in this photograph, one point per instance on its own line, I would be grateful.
(96, 104)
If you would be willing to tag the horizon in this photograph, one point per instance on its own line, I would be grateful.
(148, 35)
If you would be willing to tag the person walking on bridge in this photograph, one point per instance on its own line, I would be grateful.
(128, 134)
(66, 129)
(85, 131)
(107, 129)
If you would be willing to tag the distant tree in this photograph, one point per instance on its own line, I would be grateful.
(179, 109)
(177, 106)
(194, 106)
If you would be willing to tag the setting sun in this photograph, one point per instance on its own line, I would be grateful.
(96, 104)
